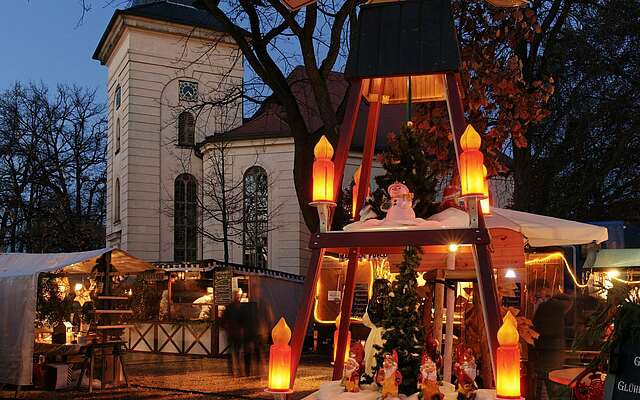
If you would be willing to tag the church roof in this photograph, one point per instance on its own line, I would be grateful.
(179, 12)
(270, 120)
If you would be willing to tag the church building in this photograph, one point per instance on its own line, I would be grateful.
(176, 131)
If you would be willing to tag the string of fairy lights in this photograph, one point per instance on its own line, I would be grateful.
(558, 255)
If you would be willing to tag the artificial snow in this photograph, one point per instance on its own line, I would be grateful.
(335, 391)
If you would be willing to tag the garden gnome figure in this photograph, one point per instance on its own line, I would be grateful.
(388, 376)
(466, 387)
(466, 372)
(351, 374)
(357, 352)
(467, 361)
(428, 379)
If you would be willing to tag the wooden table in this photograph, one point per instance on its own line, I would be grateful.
(567, 375)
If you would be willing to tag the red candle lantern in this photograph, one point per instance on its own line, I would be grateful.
(354, 193)
(323, 171)
(485, 203)
(280, 358)
(471, 163)
(323, 181)
(508, 360)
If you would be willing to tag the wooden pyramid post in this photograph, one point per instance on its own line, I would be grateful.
(371, 133)
(313, 273)
(482, 257)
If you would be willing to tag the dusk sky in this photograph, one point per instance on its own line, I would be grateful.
(44, 40)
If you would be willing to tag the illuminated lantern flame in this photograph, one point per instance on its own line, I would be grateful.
(280, 358)
(508, 359)
(354, 194)
(485, 204)
(323, 171)
(471, 163)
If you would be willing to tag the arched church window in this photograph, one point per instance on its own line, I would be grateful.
(118, 97)
(116, 202)
(256, 218)
(185, 236)
(186, 129)
(117, 136)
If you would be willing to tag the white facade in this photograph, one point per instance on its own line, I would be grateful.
(146, 59)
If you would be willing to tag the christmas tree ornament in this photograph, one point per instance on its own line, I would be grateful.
(388, 376)
(428, 379)
(83, 296)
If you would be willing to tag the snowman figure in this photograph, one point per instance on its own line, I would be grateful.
(401, 208)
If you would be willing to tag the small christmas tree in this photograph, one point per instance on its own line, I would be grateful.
(407, 160)
(402, 322)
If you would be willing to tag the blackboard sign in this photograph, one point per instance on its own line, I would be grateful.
(623, 379)
(360, 300)
(513, 301)
(222, 287)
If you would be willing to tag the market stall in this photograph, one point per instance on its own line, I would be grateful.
(19, 276)
(614, 265)
(185, 303)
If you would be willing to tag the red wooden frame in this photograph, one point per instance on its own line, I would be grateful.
(477, 235)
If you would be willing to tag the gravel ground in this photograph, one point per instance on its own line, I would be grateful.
(178, 377)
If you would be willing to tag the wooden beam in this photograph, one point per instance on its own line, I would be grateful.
(484, 269)
(304, 311)
(399, 238)
(371, 134)
(488, 293)
(347, 128)
(345, 310)
(456, 112)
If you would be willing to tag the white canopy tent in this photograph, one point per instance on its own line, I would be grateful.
(617, 258)
(18, 285)
(538, 230)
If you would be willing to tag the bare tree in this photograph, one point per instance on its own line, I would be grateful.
(235, 210)
(52, 169)
(273, 41)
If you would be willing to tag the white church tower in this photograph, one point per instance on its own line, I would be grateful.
(163, 59)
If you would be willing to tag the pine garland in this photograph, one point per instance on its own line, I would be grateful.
(403, 324)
